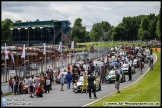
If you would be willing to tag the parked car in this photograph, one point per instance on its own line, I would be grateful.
(79, 84)
(125, 68)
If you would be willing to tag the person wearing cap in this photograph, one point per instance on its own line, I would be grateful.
(117, 81)
(91, 85)
(84, 81)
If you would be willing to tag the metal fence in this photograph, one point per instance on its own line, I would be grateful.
(60, 63)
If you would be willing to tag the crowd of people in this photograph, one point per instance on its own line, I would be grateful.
(42, 83)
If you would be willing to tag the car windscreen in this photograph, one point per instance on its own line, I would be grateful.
(80, 79)
(125, 65)
(112, 73)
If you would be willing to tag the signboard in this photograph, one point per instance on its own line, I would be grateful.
(12, 72)
(100, 64)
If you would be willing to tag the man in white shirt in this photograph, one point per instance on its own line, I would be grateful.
(31, 86)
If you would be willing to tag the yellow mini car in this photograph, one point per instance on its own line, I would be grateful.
(79, 84)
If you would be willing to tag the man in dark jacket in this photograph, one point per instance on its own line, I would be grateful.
(68, 79)
(91, 85)
(130, 73)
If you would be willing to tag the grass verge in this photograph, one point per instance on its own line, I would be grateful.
(147, 89)
(7, 94)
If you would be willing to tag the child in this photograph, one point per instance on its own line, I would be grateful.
(62, 81)
(39, 91)
(48, 84)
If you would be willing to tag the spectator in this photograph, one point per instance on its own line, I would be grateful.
(117, 81)
(11, 83)
(31, 87)
(16, 85)
(84, 82)
(45, 87)
(39, 91)
(129, 73)
(56, 75)
(36, 82)
(97, 70)
(68, 67)
(89, 71)
(91, 85)
(151, 61)
(48, 85)
(68, 79)
(141, 66)
(62, 81)
(51, 78)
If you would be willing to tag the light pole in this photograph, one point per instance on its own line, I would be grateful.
(54, 34)
(85, 37)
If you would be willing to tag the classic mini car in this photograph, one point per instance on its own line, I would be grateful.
(111, 77)
(125, 68)
(135, 63)
(79, 84)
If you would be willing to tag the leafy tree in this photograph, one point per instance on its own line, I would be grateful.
(152, 28)
(145, 35)
(144, 26)
(18, 21)
(36, 20)
(158, 26)
(6, 34)
(78, 31)
(145, 23)
(119, 33)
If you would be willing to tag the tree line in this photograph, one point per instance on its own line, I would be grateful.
(141, 27)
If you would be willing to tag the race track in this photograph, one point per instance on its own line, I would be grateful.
(69, 98)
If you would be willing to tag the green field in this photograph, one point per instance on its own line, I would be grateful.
(106, 44)
(147, 89)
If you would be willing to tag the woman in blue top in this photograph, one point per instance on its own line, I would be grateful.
(62, 81)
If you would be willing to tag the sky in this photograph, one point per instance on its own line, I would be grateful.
(89, 12)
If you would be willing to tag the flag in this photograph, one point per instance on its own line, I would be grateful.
(72, 45)
(44, 46)
(23, 52)
(12, 58)
(6, 53)
(60, 47)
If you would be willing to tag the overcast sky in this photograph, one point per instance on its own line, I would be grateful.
(89, 12)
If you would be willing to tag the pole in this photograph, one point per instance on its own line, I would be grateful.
(5, 67)
(85, 39)
(24, 65)
(28, 52)
(54, 34)
(45, 63)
